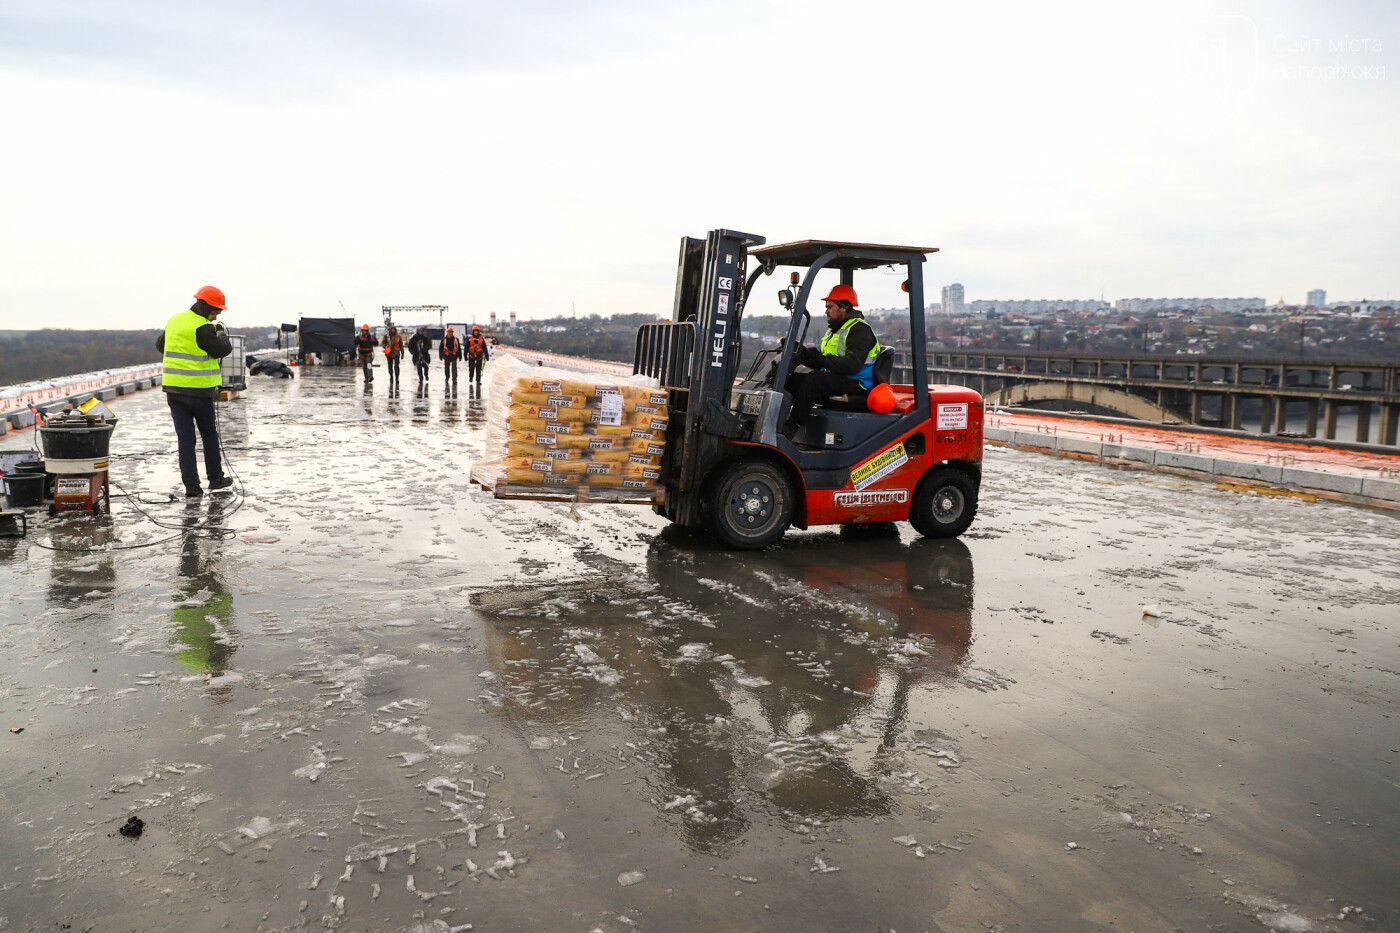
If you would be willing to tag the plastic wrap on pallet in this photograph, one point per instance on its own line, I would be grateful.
(564, 435)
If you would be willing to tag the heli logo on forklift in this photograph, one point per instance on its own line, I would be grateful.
(852, 500)
(879, 466)
(721, 326)
(952, 417)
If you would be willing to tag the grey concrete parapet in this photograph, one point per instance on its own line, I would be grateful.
(1079, 445)
(1328, 482)
(156, 380)
(1123, 452)
(107, 394)
(1183, 461)
(1003, 435)
(1387, 489)
(1243, 469)
(1032, 439)
(23, 418)
(143, 384)
(126, 388)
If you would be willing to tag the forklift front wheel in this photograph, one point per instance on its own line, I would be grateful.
(944, 504)
(753, 505)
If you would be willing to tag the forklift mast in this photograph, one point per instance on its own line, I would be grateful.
(702, 359)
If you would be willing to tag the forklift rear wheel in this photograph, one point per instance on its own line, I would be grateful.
(753, 505)
(944, 504)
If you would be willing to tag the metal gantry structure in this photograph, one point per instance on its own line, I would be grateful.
(391, 310)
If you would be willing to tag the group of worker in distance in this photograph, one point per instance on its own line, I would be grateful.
(420, 349)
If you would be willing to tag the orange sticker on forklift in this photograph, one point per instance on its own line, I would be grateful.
(879, 466)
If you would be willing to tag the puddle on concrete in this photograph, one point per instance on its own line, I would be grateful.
(366, 696)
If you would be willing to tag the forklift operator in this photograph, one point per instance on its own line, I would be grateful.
(843, 366)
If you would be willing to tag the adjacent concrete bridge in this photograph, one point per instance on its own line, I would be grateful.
(1195, 390)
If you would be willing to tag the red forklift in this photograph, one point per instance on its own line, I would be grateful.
(729, 467)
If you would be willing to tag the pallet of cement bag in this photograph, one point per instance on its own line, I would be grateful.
(562, 436)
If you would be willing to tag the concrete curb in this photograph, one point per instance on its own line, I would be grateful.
(1385, 491)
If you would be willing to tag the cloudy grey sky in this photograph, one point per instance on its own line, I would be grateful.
(543, 154)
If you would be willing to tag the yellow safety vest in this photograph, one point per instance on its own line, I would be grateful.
(185, 364)
(834, 344)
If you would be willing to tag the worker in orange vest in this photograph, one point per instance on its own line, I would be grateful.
(477, 355)
(364, 346)
(450, 351)
(393, 353)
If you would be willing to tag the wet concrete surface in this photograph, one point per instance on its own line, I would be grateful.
(364, 695)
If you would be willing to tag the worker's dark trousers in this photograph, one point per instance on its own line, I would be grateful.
(393, 364)
(474, 368)
(810, 388)
(368, 362)
(189, 412)
(451, 368)
(422, 366)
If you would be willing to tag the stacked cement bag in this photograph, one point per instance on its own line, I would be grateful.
(572, 435)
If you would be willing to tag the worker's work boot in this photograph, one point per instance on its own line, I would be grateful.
(223, 482)
(193, 492)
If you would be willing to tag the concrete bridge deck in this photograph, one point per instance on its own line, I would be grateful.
(1371, 476)
(1319, 398)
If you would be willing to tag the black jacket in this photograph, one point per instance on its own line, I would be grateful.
(211, 340)
(420, 347)
(365, 343)
(860, 340)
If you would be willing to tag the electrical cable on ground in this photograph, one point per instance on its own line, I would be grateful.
(185, 530)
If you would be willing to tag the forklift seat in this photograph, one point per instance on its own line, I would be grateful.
(880, 375)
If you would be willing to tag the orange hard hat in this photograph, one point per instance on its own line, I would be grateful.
(880, 400)
(364, 327)
(213, 296)
(449, 330)
(476, 328)
(843, 293)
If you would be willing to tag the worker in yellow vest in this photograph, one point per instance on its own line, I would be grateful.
(192, 345)
(843, 365)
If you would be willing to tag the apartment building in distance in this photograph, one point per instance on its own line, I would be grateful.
(953, 299)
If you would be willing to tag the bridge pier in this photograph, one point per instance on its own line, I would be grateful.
(1236, 403)
(1329, 419)
(1280, 406)
(1266, 415)
(1195, 407)
(1363, 422)
(1311, 429)
(1390, 415)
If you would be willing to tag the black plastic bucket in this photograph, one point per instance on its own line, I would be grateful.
(76, 441)
(36, 468)
(24, 489)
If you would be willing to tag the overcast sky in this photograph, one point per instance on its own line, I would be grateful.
(542, 154)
